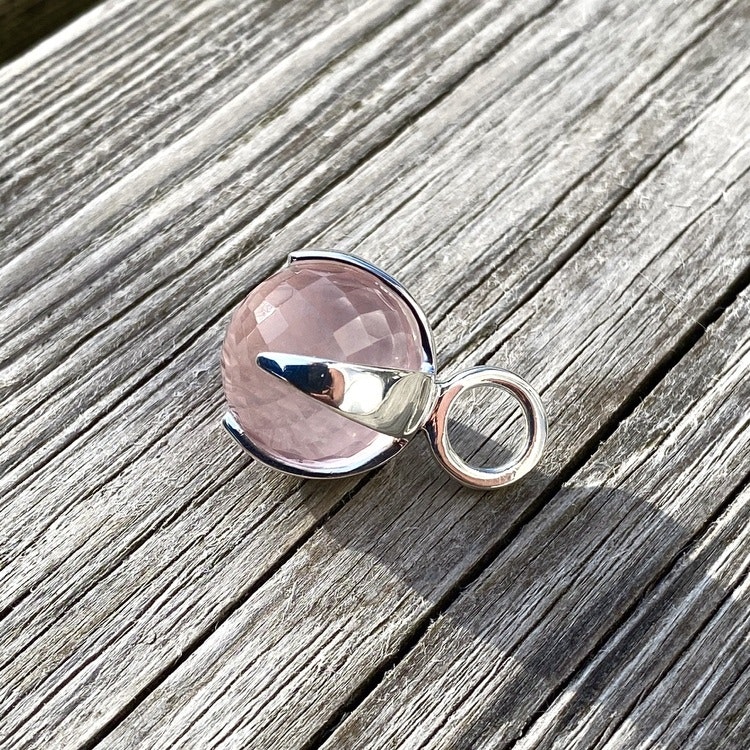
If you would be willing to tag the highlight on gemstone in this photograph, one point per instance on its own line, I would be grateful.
(320, 308)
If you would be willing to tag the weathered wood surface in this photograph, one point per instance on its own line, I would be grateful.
(563, 185)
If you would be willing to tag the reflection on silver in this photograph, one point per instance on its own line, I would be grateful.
(394, 402)
(399, 403)
(437, 427)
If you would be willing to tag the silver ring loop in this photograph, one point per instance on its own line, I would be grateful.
(536, 427)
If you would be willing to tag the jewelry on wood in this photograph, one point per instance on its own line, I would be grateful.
(329, 369)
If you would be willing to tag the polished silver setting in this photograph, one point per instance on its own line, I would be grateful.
(399, 403)
(233, 428)
(394, 402)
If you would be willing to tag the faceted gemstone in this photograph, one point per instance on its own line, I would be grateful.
(318, 308)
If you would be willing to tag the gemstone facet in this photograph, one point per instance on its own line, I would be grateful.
(329, 310)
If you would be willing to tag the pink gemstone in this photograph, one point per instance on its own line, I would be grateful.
(318, 308)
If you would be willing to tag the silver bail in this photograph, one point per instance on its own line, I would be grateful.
(394, 402)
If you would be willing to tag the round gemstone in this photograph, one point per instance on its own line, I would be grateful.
(318, 308)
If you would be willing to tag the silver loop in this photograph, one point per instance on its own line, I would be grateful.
(536, 427)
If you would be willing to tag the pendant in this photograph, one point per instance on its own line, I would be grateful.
(328, 368)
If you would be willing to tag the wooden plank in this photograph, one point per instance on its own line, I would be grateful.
(101, 546)
(344, 605)
(703, 700)
(728, 723)
(657, 502)
(179, 80)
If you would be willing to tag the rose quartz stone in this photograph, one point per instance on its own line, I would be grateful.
(318, 308)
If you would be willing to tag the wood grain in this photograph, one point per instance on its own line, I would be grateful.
(350, 599)
(562, 186)
(655, 507)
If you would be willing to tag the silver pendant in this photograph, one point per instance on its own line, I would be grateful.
(328, 368)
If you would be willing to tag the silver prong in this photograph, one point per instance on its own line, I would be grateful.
(231, 425)
(394, 402)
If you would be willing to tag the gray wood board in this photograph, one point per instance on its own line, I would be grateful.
(560, 184)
